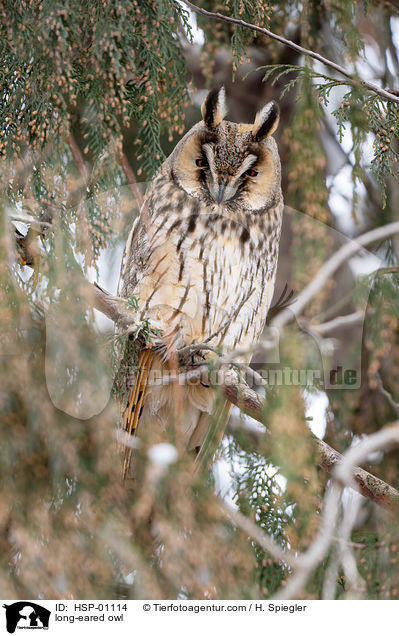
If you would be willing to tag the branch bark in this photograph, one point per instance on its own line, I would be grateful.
(111, 306)
(248, 401)
(387, 95)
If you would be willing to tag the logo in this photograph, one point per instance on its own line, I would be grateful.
(26, 615)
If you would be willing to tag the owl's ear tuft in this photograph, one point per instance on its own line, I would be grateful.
(214, 108)
(266, 121)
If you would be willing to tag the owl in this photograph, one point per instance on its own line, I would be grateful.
(200, 265)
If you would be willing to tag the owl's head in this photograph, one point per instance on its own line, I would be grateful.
(229, 164)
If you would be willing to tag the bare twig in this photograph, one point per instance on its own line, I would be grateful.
(373, 195)
(113, 307)
(387, 95)
(78, 158)
(330, 267)
(304, 563)
(261, 538)
(385, 393)
(343, 476)
(131, 179)
(248, 401)
(309, 560)
(355, 584)
(393, 269)
(383, 439)
(336, 323)
(29, 220)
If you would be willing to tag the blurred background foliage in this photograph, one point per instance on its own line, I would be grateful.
(93, 96)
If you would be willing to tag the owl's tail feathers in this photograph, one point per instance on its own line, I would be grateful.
(134, 406)
(215, 432)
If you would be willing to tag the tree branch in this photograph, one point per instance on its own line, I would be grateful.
(303, 564)
(330, 267)
(343, 476)
(237, 391)
(385, 393)
(387, 95)
(131, 179)
(29, 220)
(113, 307)
(347, 320)
(78, 158)
(249, 402)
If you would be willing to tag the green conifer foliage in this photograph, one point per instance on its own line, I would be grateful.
(93, 96)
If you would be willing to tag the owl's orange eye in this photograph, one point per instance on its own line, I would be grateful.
(251, 173)
(201, 163)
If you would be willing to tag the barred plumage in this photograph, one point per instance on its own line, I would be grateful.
(201, 258)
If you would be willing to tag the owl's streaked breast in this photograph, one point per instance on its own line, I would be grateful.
(209, 270)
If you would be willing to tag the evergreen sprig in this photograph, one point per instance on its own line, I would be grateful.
(363, 112)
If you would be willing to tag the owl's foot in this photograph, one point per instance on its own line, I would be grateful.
(197, 360)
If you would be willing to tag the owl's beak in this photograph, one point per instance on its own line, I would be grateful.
(222, 188)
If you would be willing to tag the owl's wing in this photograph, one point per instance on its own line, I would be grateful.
(133, 373)
(149, 275)
(133, 409)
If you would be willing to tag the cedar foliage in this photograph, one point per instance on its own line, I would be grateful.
(87, 88)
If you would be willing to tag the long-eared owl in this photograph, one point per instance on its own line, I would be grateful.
(200, 262)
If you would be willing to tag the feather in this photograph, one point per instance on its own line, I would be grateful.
(214, 108)
(132, 411)
(266, 121)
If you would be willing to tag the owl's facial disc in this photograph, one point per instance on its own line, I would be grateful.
(225, 180)
(229, 164)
